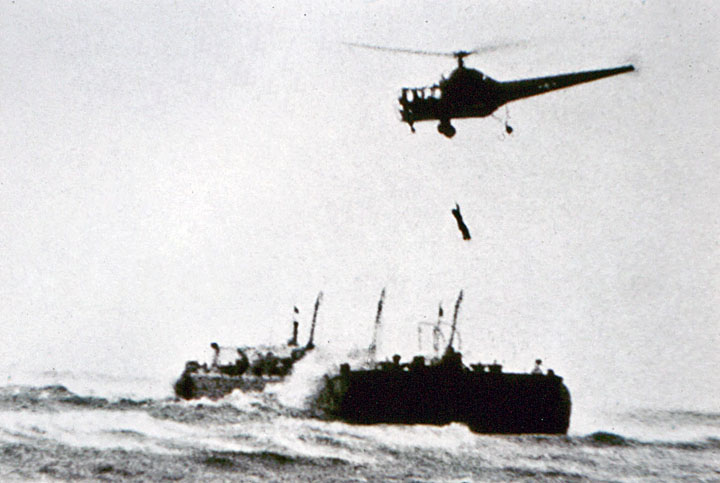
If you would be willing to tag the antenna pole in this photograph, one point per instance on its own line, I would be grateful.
(310, 343)
(454, 324)
(437, 331)
(373, 345)
(293, 342)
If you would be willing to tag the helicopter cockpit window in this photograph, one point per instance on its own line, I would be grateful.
(419, 94)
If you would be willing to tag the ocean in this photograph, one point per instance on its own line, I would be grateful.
(94, 427)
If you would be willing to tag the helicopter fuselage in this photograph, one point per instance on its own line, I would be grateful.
(470, 93)
(466, 93)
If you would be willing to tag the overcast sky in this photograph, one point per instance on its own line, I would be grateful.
(176, 173)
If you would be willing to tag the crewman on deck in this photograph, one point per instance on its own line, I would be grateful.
(216, 355)
(537, 370)
(241, 363)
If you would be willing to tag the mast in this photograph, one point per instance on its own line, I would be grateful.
(437, 332)
(454, 323)
(293, 342)
(310, 344)
(373, 345)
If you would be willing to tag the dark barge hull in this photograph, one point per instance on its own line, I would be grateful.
(217, 386)
(486, 402)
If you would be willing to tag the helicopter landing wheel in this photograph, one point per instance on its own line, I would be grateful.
(446, 129)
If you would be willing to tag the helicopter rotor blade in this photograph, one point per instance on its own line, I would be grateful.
(489, 48)
(399, 50)
(458, 53)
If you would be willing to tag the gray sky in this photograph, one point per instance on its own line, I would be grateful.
(173, 173)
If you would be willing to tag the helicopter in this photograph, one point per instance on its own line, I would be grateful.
(470, 93)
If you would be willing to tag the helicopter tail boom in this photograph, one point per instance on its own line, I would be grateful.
(520, 89)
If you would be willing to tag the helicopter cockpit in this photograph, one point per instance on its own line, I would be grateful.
(419, 103)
